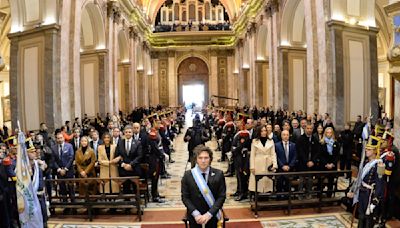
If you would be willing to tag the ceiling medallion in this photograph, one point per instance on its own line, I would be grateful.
(192, 67)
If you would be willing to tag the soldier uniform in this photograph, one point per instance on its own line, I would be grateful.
(241, 153)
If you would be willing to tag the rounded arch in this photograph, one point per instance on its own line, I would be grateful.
(292, 26)
(92, 27)
(28, 14)
(182, 58)
(262, 42)
(192, 70)
(123, 53)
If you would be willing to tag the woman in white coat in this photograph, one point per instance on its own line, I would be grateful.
(262, 160)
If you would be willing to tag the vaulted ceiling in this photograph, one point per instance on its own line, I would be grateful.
(151, 7)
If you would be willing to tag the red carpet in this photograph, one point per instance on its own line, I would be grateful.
(253, 224)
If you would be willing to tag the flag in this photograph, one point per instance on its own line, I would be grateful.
(30, 213)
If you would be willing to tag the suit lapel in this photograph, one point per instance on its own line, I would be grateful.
(211, 176)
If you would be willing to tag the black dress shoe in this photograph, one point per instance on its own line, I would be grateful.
(235, 194)
(228, 174)
(158, 200)
(171, 161)
(161, 197)
(241, 197)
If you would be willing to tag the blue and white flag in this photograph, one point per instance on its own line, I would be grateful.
(30, 213)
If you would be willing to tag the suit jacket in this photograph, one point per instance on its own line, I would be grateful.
(134, 158)
(193, 199)
(307, 151)
(326, 158)
(99, 142)
(73, 144)
(281, 156)
(65, 160)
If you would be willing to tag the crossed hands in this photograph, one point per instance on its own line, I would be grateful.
(203, 219)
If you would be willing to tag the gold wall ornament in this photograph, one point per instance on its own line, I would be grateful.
(2, 64)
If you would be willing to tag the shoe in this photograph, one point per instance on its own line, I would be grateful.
(161, 197)
(171, 161)
(235, 194)
(229, 174)
(241, 197)
(158, 200)
(165, 177)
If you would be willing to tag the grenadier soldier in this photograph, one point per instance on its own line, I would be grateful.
(154, 157)
(241, 153)
(228, 131)
(369, 189)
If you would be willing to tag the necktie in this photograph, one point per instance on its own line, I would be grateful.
(287, 151)
(60, 152)
(204, 176)
(76, 143)
(128, 146)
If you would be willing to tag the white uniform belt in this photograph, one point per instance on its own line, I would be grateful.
(365, 185)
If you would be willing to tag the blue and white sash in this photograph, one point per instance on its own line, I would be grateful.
(204, 189)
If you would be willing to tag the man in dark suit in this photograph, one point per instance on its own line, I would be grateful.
(63, 155)
(308, 154)
(199, 211)
(130, 151)
(76, 140)
(286, 155)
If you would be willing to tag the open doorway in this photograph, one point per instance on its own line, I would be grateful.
(193, 94)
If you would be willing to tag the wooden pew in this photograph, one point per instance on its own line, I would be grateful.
(291, 200)
(99, 200)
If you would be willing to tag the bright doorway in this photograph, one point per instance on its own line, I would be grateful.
(193, 94)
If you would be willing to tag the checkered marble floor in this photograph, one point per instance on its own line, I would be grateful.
(170, 188)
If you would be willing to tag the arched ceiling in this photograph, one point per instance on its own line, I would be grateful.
(151, 7)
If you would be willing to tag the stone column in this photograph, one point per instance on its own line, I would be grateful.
(338, 86)
(231, 85)
(125, 73)
(251, 38)
(213, 78)
(393, 10)
(47, 41)
(172, 80)
(272, 9)
(312, 56)
(131, 78)
(155, 83)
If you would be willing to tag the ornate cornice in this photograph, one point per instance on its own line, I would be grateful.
(271, 7)
(113, 11)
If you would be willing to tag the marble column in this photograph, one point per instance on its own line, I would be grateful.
(339, 88)
(172, 80)
(232, 87)
(125, 73)
(213, 78)
(397, 113)
(131, 78)
(312, 55)
(47, 41)
(155, 84)
(393, 10)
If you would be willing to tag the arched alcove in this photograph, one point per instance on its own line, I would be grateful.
(191, 71)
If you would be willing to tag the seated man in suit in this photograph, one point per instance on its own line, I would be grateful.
(63, 155)
(286, 155)
(203, 190)
(130, 151)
